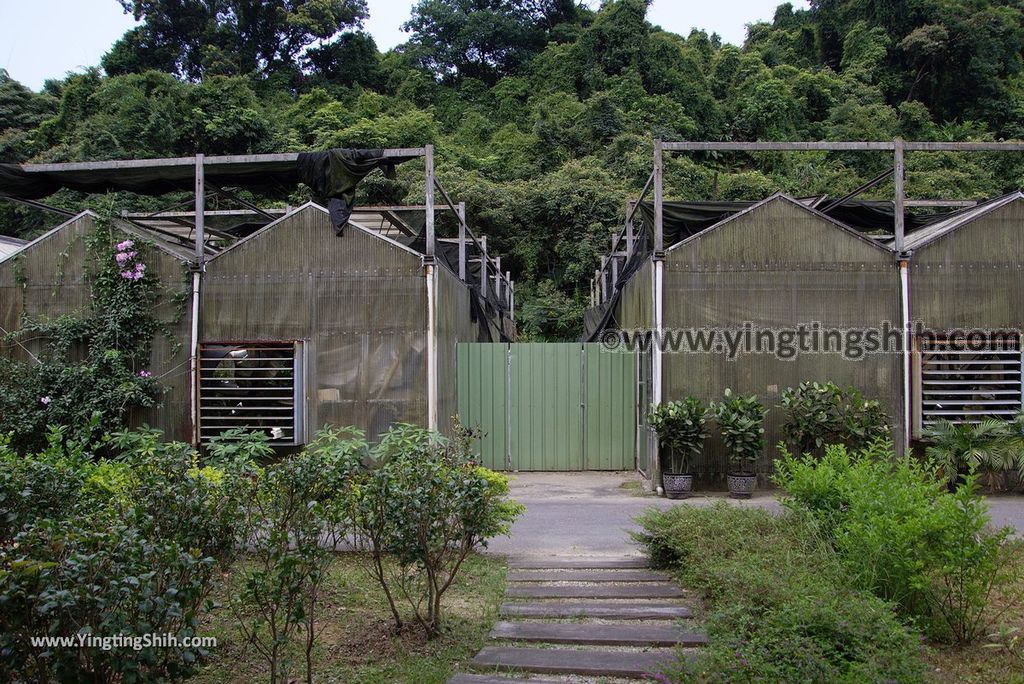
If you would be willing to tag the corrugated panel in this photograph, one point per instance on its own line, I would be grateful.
(776, 267)
(454, 325)
(53, 269)
(973, 276)
(545, 409)
(357, 300)
(636, 306)
(483, 398)
(610, 415)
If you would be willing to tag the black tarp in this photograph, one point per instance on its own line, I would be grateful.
(332, 175)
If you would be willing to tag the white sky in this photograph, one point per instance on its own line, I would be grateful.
(42, 39)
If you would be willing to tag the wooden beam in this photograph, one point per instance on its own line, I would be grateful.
(659, 197)
(462, 241)
(429, 164)
(200, 217)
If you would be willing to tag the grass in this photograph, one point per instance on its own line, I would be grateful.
(359, 644)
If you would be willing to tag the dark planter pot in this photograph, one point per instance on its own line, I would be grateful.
(741, 486)
(677, 486)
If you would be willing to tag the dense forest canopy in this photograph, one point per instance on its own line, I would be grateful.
(543, 111)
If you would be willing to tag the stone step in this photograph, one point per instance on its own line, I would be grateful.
(633, 664)
(623, 591)
(596, 634)
(586, 576)
(463, 678)
(596, 609)
(565, 563)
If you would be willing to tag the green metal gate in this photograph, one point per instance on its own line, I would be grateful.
(550, 406)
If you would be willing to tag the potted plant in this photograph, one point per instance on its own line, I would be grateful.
(741, 422)
(680, 428)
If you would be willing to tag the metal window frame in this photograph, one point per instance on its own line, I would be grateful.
(299, 415)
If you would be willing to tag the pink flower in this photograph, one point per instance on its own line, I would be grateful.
(45, 401)
(145, 374)
(124, 257)
(126, 245)
(140, 268)
(128, 275)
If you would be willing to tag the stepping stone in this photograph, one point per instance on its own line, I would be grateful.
(596, 634)
(564, 661)
(595, 591)
(555, 563)
(596, 609)
(492, 679)
(586, 576)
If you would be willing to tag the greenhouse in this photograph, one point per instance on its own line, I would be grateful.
(290, 319)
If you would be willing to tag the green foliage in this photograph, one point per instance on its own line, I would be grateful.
(821, 414)
(902, 536)
(741, 422)
(94, 369)
(990, 446)
(129, 547)
(680, 428)
(426, 506)
(779, 605)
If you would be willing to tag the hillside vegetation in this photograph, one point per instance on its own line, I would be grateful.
(543, 111)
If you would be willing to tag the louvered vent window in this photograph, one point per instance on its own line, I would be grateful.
(966, 381)
(255, 386)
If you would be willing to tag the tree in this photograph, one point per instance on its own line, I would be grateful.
(483, 39)
(192, 38)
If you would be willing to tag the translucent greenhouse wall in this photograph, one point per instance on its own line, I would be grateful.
(358, 301)
(776, 266)
(47, 279)
(970, 278)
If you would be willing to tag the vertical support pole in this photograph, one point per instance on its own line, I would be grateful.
(659, 198)
(597, 287)
(462, 241)
(512, 300)
(429, 163)
(429, 267)
(508, 289)
(906, 351)
(604, 281)
(629, 230)
(483, 266)
(197, 270)
(898, 179)
(659, 279)
(497, 277)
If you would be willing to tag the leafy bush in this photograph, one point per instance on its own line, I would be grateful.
(741, 422)
(426, 506)
(780, 606)
(820, 414)
(901, 535)
(680, 427)
(129, 546)
(991, 446)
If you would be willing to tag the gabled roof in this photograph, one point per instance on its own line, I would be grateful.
(801, 205)
(311, 206)
(123, 225)
(923, 236)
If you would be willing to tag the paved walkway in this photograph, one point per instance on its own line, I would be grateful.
(587, 514)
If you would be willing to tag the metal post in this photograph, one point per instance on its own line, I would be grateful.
(906, 351)
(431, 346)
(508, 289)
(483, 266)
(898, 179)
(497, 277)
(462, 241)
(197, 270)
(659, 198)
(597, 287)
(629, 229)
(604, 281)
(429, 163)
(656, 366)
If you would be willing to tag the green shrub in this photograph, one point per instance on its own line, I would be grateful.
(426, 506)
(821, 414)
(900, 534)
(779, 604)
(130, 547)
(741, 422)
(991, 447)
(680, 428)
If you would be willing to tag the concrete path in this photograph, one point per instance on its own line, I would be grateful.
(587, 514)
